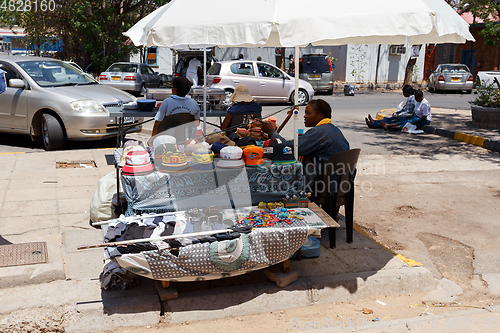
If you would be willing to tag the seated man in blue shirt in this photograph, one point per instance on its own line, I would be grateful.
(177, 103)
(319, 143)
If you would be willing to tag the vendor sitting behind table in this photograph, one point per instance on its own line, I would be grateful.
(177, 103)
(245, 109)
(318, 144)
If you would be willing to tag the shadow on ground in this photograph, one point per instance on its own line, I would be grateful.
(25, 142)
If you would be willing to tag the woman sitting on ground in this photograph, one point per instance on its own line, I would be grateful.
(400, 116)
(243, 112)
(421, 118)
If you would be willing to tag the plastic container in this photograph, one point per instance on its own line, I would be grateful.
(310, 249)
(146, 105)
(349, 89)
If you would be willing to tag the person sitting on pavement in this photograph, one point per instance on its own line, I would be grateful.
(319, 143)
(243, 112)
(177, 103)
(406, 111)
(421, 117)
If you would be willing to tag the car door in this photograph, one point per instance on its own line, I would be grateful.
(145, 77)
(274, 86)
(13, 102)
(244, 72)
(154, 79)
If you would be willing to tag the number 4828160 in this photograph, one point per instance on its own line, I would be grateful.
(27, 5)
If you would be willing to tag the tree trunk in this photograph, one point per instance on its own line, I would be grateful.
(283, 66)
(409, 70)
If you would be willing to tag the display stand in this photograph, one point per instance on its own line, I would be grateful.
(120, 115)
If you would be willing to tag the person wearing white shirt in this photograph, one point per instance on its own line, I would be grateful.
(192, 71)
(422, 110)
(421, 118)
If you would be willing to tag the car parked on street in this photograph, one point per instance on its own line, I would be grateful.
(50, 99)
(451, 77)
(266, 83)
(318, 71)
(132, 77)
(484, 78)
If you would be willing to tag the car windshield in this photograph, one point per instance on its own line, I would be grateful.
(454, 68)
(316, 64)
(53, 73)
(125, 68)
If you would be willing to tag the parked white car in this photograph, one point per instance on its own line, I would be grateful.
(265, 82)
(486, 77)
(451, 77)
(132, 77)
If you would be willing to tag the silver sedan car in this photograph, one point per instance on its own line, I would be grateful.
(50, 99)
(129, 76)
(451, 77)
(265, 82)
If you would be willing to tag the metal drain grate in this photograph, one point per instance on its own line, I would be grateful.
(23, 254)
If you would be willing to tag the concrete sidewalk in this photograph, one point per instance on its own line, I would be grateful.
(457, 124)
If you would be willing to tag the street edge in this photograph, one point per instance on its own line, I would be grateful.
(493, 145)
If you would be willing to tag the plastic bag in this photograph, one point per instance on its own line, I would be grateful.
(401, 106)
(412, 129)
(409, 128)
(101, 204)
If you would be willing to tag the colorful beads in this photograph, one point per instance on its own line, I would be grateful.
(268, 218)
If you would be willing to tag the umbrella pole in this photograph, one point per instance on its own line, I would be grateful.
(205, 91)
(296, 110)
(154, 239)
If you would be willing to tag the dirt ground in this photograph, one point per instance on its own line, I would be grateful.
(320, 316)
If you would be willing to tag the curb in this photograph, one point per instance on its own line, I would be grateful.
(306, 291)
(493, 145)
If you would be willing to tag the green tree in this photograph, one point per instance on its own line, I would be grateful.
(91, 31)
(489, 12)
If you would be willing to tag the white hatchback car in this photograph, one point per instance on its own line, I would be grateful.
(265, 82)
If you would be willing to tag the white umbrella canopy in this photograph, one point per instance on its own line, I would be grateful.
(290, 23)
(296, 23)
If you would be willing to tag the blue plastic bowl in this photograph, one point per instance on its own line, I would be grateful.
(146, 104)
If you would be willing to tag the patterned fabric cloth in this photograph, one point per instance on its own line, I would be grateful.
(260, 248)
(239, 187)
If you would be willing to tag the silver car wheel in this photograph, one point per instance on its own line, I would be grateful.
(303, 97)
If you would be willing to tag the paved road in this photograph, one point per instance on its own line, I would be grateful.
(348, 114)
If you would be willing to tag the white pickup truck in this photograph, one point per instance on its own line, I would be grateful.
(487, 77)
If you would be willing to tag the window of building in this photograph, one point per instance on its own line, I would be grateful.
(152, 56)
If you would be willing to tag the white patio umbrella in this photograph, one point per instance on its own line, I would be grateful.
(296, 23)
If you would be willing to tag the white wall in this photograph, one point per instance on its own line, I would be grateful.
(164, 58)
(391, 67)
